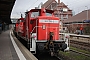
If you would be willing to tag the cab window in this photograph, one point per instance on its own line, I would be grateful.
(34, 14)
(48, 13)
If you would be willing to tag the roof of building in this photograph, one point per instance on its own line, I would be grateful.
(49, 2)
(46, 4)
(81, 17)
(5, 10)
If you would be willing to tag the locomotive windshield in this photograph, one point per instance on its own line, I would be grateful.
(35, 14)
(48, 13)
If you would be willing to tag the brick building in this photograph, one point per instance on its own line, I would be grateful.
(60, 9)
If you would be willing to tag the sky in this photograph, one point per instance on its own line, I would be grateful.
(21, 6)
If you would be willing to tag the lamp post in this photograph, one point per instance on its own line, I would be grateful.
(87, 11)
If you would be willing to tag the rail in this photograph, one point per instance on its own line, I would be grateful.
(80, 52)
(75, 35)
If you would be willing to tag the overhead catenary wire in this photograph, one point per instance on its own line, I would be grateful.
(33, 4)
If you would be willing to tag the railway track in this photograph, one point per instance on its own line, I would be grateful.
(80, 52)
(59, 58)
(81, 45)
(46, 56)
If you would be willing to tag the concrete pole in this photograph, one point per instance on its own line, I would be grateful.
(87, 11)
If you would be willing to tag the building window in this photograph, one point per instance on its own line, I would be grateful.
(61, 17)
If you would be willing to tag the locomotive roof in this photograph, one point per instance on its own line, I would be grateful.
(39, 10)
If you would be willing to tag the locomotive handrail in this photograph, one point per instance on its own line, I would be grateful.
(33, 30)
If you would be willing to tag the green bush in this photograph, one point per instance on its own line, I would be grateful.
(86, 30)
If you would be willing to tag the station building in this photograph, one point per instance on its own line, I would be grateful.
(78, 22)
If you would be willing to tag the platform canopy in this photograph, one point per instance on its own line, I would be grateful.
(5, 10)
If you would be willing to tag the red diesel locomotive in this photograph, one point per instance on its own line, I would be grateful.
(40, 28)
(20, 27)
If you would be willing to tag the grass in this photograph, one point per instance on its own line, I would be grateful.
(77, 49)
(75, 56)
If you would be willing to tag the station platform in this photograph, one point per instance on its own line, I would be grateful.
(12, 49)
